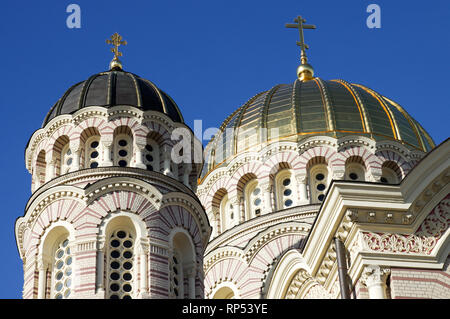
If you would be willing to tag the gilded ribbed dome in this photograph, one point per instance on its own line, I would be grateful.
(115, 87)
(309, 108)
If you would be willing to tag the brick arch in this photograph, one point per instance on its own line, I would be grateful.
(371, 162)
(65, 130)
(332, 158)
(391, 156)
(160, 224)
(42, 146)
(157, 129)
(231, 269)
(279, 161)
(132, 123)
(221, 183)
(62, 209)
(238, 188)
(92, 122)
(266, 255)
(254, 167)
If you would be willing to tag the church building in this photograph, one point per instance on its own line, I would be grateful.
(314, 189)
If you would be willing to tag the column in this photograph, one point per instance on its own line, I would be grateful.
(267, 190)
(191, 272)
(236, 214)
(302, 190)
(42, 280)
(50, 174)
(374, 277)
(216, 214)
(76, 160)
(143, 270)
(167, 160)
(241, 209)
(107, 161)
(100, 267)
(139, 163)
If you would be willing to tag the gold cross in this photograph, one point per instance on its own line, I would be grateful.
(300, 26)
(116, 41)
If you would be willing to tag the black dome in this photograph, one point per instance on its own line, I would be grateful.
(115, 87)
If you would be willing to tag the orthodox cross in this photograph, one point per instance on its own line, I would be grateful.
(116, 41)
(300, 26)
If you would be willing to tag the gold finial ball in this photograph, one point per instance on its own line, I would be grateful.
(305, 72)
(115, 64)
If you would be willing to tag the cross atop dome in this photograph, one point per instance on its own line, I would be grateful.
(116, 41)
(305, 71)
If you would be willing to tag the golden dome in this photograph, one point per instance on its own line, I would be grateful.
(302, 109)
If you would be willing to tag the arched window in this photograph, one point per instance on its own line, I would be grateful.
(390, 173)
(92, 152)
(40, 169)
(318, 182)
(176, 276)
(55, 264)
(286, 189)
(123, 150)
(224, 293)
(151, 155)
(66, 159)
(253, 199)
(182, 266)
(62, 156)
(228, 220)
(61, 287)
(120, 263)
(355, 169)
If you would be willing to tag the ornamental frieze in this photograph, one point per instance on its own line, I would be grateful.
(422, 242)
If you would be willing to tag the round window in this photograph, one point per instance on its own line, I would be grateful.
(287, 192)
(288, 203)
(320, 187)
(287, 181)
(353, 176)
(123, 153)
(256, 191)
(115, 243)
(320, 176)
(127, 276)
(94, 165)
(149, 168)
(94, 154)
(123, 143)
(94, 144)
(149, 158)
(114, 276)
(149, 148)
(127, 243)
(321, 197)
(127, 254)
(122, 163)
(257, 202)
(384, 180)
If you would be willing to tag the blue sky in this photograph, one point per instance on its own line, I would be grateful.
(211, 57)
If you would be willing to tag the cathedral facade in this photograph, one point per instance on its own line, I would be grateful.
(315, 189)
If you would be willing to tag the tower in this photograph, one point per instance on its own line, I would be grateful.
(303, 164)
(113, 213)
